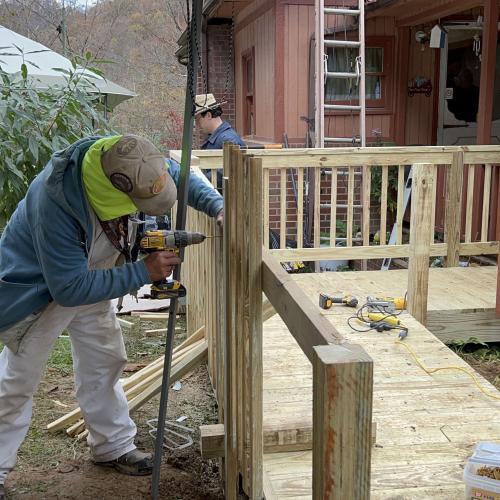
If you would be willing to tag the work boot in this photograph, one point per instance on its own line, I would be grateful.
(133, 463)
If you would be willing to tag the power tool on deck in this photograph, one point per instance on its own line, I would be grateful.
(383, 326)
(326, 301)
(387, 304)
(168, 241)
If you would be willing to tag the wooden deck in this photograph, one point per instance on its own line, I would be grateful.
(426, 425)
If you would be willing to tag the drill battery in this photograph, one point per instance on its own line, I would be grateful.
(167, 289)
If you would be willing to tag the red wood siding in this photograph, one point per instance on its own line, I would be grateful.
(299, 27)
(420, 122)
(259, 34)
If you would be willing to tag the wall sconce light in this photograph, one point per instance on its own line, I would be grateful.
(421, 37)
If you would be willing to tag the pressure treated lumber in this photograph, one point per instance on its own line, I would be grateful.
(198, 355)
(75, 415)
(149, 387)
(379, 252)
(420, 236)
(304, 321)
(453, 207)
(342, 417)
(253, 329)
(427, 424)
(230, 402)
(268, 311)
(212, 441)
(150, 375)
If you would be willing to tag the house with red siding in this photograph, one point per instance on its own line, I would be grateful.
(258, 56)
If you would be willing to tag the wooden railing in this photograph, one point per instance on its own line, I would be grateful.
(342, 373)
(244, 270)
(352, 167)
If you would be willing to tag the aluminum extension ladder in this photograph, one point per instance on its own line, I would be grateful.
(322, 73)
(392, 239)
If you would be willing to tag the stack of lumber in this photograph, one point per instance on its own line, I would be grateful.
(144, 384)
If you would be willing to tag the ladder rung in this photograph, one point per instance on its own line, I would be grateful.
(342, 43)
(335, 74)
(342, 107)
(342, 139)
(344, 12)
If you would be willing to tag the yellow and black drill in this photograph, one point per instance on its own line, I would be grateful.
(326, 301)
(168, 241)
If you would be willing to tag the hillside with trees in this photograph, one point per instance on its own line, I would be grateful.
(132, 41)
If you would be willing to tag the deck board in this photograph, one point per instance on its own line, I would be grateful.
(426, 424)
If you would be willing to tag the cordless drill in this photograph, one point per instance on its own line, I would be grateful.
(168, 241)
(326, 301)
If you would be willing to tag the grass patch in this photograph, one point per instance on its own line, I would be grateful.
(60, 359)
(483, 357)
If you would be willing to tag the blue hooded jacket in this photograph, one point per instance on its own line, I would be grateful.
(44, 248)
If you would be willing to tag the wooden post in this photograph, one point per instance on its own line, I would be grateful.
(253, 379)
(453, 208)
(420, 237)
(498, 239)
(236, 181)
(486, 90)
(342, 422)
(487, 77)
(230, 404)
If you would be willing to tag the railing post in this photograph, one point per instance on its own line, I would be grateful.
(342, 422)
(253, 375)
(243, 324)
(231, 477)
(498, 239)
(420, 237)
(453, 208)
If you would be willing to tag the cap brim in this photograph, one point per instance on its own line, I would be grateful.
(161, 203)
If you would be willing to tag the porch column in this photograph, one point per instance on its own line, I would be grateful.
(488, 63)
(486, 89)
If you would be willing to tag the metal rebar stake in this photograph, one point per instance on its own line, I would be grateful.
(182, 197)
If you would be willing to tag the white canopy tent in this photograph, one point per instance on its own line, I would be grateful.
(44, 75)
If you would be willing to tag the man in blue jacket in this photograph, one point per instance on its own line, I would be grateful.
(208, 121)
(63, 256)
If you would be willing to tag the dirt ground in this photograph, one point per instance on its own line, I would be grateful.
(54, 466)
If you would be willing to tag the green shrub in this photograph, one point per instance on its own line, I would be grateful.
(36, 122)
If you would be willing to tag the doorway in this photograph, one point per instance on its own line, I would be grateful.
(460, 71)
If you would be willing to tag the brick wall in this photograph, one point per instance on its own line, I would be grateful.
(325, 194)
(218, 69)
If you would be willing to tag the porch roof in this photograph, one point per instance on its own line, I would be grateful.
(413, 12)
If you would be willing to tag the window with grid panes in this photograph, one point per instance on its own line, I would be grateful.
(377, 78)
